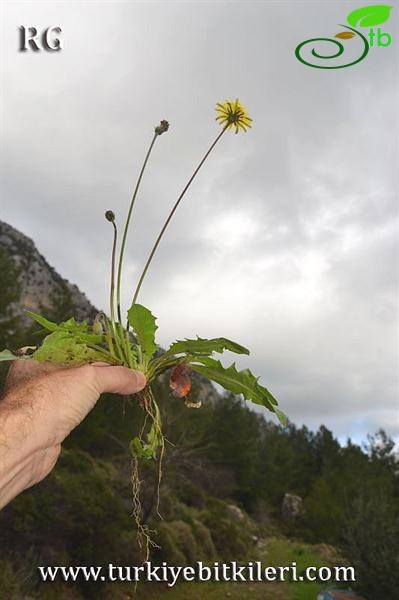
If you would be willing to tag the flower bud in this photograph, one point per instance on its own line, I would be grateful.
(110, 216)
(162, 127)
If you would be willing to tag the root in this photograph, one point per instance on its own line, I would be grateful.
(143, 531)
(150, 406)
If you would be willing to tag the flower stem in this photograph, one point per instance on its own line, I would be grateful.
(122, 250)
(112, 294)
(172, 212)
(108, 356)
(112, 286)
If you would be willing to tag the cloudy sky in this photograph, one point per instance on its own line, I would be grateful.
(287, 241)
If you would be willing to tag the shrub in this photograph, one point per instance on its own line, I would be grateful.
(371, 542)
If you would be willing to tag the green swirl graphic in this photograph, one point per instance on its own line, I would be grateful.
(338, 53)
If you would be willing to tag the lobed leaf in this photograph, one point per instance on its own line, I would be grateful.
(204, 346)
(82, 331)
(49, 325)
(147, 449)
(239, 382)
(200, 347)
(140, 450)
(281, 416)
(63, 348)
(143, 322)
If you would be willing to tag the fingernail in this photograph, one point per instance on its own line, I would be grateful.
(141, 380)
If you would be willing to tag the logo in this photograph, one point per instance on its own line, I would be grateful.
(31, 39)
(369, 16)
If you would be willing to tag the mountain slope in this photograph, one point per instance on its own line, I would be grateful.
(41, 288)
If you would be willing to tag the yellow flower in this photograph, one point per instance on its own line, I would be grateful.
(233, 114)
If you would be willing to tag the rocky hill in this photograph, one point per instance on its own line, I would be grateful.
(41, 288)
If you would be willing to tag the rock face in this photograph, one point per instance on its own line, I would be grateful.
(291, 507)
(42, 289)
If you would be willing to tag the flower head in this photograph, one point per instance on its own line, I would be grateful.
(110, 216)
(162, 127)
(233, 114)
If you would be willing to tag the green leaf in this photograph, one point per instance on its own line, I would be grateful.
(281, 416)
(8, 355)
(204, 346)
(199, 347)
(63, 348)
(49, 325)
(146, 450)
(369, 15)
(238, 382)
(138, 449)
(143, 322)
(81, 331)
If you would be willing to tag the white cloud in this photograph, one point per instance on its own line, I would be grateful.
(287, 240)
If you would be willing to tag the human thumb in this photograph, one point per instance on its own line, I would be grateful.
(117, 380)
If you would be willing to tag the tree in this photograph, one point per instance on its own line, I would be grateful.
(371, 542)
(10, 292)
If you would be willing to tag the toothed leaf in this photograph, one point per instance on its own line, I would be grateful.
(81, 331)
(239, 382)
(49, 325)
(148, 449)
(204, 346)
(143, 322)
(140, 450)
(63, 348)
(281, 416)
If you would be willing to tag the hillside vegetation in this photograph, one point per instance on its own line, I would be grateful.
(226, 472)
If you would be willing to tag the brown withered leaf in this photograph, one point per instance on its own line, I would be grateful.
(180, 380)
(345, 35)
(192, 404)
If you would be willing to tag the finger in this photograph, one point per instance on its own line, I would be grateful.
(117, 380)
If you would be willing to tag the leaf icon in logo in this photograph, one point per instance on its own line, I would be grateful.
(345, 35)
(369, 15)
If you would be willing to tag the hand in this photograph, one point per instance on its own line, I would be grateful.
(41, 406)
